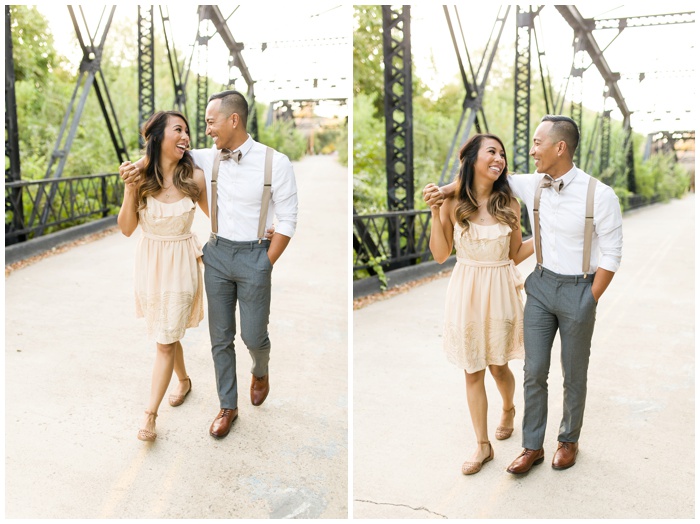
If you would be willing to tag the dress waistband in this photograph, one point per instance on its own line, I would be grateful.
(517, 277)
(484, 263)
(163, 238)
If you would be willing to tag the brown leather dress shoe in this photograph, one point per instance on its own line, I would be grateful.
(222, 423)
(565, 456)
(527, 459)
(259, 388)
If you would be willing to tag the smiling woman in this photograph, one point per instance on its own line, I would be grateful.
(168, 277)
(484, 306)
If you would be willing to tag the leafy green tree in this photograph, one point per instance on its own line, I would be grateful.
(367, 57)
(32, 46)
(285, 138)
(369, 180)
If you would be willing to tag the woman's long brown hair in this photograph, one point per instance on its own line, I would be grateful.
(499, 200)
(152, 181)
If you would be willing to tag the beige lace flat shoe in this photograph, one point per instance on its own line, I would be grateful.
(469, 468)
(144, 434)
(176, 400)
(503, 432)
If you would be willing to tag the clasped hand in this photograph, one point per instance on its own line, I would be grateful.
(433, 196)
(129, 173)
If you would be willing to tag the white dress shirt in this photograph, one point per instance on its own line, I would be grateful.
(239, 196)
(562, 218)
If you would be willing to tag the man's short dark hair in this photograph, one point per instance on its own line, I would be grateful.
(564, 128)
(232, 102)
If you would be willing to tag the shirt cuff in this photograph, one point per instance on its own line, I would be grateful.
(610, 263)
(286, 228)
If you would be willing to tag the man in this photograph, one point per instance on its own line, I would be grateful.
(564, 289)
(238, 259)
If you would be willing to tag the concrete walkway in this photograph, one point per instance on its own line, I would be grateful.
(637, 450)
(77, 376)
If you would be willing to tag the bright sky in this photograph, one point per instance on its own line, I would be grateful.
(282, 71)
(667, 54)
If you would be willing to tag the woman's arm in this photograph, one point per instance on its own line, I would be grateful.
(519, 250)
(442, 230)
(202, 185)
(128, 218)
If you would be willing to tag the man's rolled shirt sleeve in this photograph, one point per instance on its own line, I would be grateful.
(284, 196)
(608, 227)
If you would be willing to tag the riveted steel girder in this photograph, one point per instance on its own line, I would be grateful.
(398, 117)
(146, 64)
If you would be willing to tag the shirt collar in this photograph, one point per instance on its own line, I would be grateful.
(569, 176)
(246, 146)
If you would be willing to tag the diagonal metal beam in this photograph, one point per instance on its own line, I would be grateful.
(177, 71)
(475, 93)
(584, 27)
(89, 75)
(213, 13)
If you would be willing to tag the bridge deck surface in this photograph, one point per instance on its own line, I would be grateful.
(637, 450)
(78, 368)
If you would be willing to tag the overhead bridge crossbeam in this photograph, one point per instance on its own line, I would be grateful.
(644, 21)
(307, 42)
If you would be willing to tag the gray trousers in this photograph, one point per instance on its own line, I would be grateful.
(237, 272)
(564, 303)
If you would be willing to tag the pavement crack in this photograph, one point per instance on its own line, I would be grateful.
(421, 508)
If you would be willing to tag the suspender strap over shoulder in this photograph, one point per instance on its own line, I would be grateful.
(214, 188)
(267, 188)
(536, 227)
(587, 230)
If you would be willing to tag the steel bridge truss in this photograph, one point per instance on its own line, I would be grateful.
(398, 117)
(90, 75)
(373, 234)
(146, 63)
(211, 22)
(13, 197)
(472, 106)
(213, 14)
(48, 196)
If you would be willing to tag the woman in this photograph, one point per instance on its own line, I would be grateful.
(168, 275)
(484, 309)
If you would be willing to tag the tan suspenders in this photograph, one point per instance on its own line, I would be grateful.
(267, 188)
(588, 228)
(266, 194)
(587, 231)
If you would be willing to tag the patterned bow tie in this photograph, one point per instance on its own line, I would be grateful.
(548, 181)
(227, 154)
